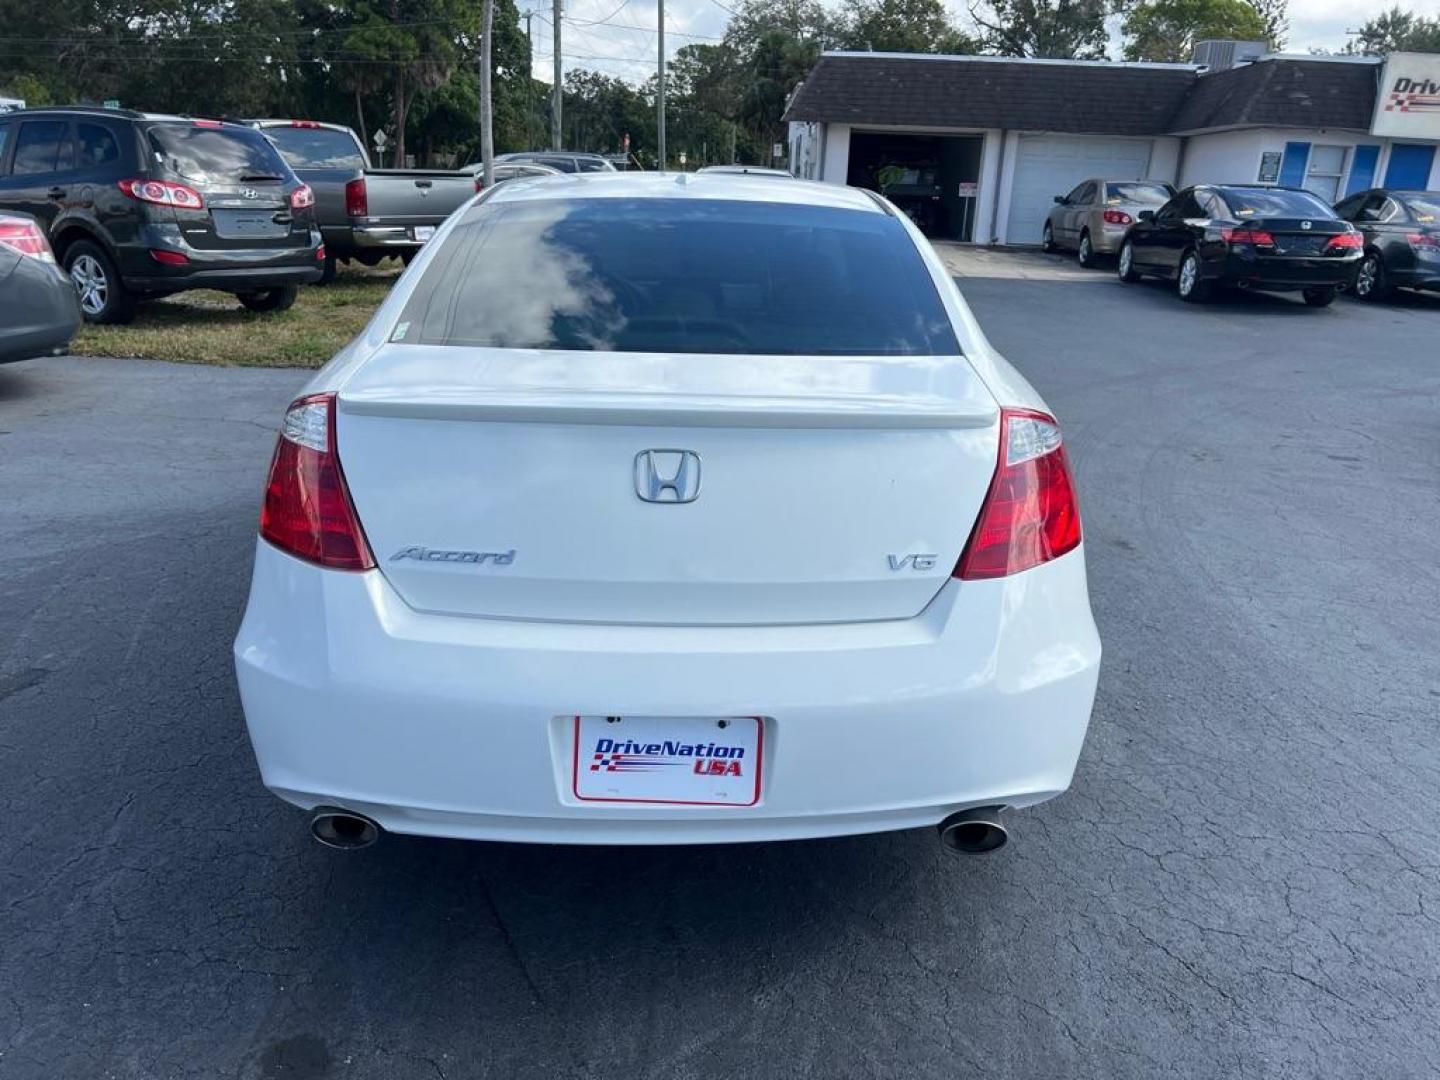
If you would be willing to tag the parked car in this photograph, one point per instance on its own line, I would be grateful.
(39, 311)
(365, 214)
(1402, 240)
(564, 160)
(138, 206)
(747, 170)
(509, 170)
(1092, 219)
(1245, 235)
(592, 570)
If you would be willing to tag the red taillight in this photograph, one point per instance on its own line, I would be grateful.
(208, 123)
(1349, 241)
(305, 123)
(1029, 515)
(1118, 217)
(1422, 240)
(302, 198)
(1247, 235)
(26, 237)
(320, 253)
(163, 193)
(169, 258)
(479, 184)
(307, 511)
(357, 203)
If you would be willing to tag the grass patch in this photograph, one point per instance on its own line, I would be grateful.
(204, 327)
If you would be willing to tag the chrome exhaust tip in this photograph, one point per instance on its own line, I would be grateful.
(972, 832)
(342, 829)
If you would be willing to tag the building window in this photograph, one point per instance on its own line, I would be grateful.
(1327, 169)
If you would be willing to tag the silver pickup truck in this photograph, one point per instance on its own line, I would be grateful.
(365, 214)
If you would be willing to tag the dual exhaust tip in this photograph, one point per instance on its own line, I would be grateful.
(974, 832)
(967, 832)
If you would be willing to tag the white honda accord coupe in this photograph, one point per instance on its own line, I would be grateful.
(656, 509)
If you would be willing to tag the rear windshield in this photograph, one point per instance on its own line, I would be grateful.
(1274, 202)
(1425, 208)
(216, 154)
(679, 275)
(316, 148)
(1135, 192)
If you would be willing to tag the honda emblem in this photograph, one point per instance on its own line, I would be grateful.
(667, 476)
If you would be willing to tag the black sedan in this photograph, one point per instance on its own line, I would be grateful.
(1402, 240)
(39, 312)
(1250, 237)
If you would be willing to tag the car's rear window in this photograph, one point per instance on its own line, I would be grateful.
(1424, 208)
(1274, 202)
(201, 153)
(1137, 192)
(679, 275)
(316, 148)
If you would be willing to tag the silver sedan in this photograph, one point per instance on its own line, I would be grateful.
(1092, 219)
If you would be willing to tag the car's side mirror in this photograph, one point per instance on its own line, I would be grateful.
(1147, 215)
(1060, 200)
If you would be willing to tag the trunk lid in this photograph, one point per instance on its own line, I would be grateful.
(1299, 237)
(508, 483)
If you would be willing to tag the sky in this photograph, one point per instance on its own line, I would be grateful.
(618, 37)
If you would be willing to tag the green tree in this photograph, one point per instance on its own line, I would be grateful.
(919, 26)
(1397, 30)
(1166, 30)
(1048, 29)
(1275, 14)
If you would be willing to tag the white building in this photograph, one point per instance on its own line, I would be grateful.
(981, 145)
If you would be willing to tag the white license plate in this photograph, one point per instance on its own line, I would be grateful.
(424, 232)
(677, 761)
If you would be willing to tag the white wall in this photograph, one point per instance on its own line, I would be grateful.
(1165, 159)
(835, 155)
(1234, 156)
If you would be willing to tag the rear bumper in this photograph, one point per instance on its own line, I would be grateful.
(462, 727)
(387, 236)
(1282, 274)
(1107, 240)
(229, 270)
(38, 312)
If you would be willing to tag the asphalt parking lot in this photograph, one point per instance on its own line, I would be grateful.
(1244, 880)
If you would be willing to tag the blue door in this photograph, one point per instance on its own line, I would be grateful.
(1410, 166)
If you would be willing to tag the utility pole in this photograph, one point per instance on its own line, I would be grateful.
(660, 89)
(559, 95)
(529, 81)
(487, 112)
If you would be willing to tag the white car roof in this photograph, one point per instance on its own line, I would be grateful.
(685, 185)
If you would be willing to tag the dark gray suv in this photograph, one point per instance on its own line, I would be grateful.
(138, 206)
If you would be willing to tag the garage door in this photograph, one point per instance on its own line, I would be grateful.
(1050, 165)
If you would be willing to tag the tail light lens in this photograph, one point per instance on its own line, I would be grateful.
(1423, 240)
(163, 193)
(479, 184)
(307, 511)
(305, 123)
(1349, 241)
(1118, 217)
(1029, 516)
(1247, 235)
(357, 202)
(320, 253)
(26, 237)
(169, 258)
(302, 198)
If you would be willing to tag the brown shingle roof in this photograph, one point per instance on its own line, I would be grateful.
(890, 90)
